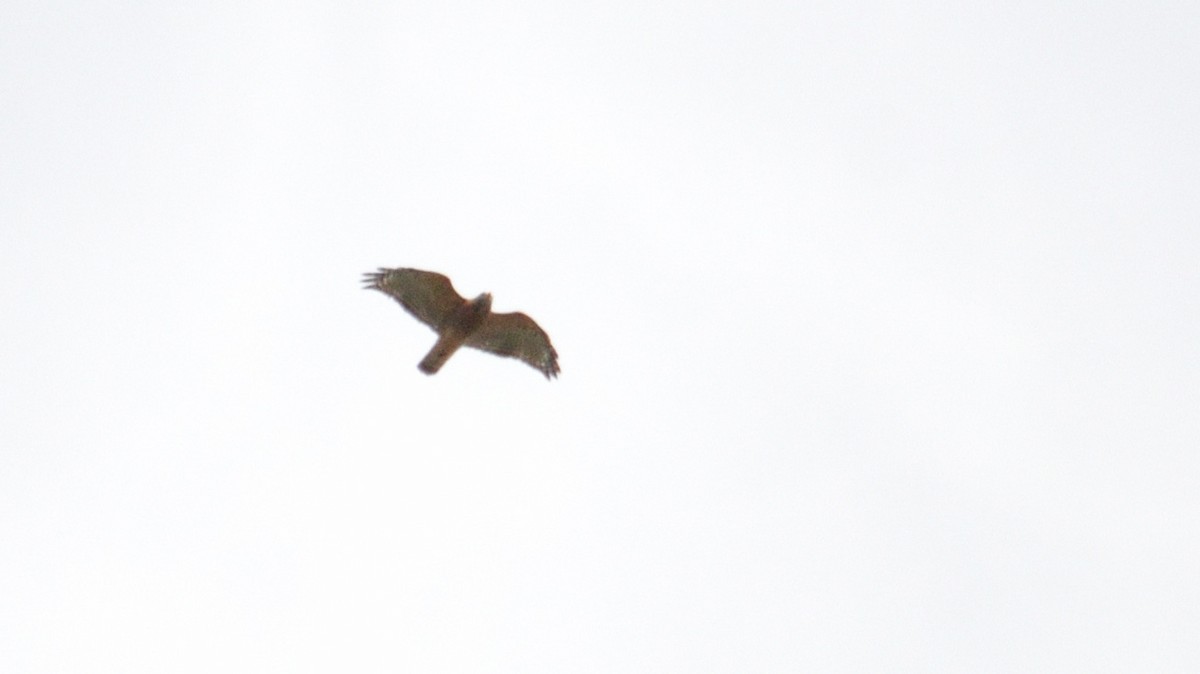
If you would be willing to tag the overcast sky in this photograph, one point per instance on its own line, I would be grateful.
(878, 326)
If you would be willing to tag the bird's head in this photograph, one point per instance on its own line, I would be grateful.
(482, 304)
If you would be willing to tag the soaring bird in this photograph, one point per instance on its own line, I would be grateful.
(431, 298)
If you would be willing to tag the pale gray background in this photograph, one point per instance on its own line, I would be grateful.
(878, 326)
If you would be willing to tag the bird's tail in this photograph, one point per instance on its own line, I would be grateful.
(439, 354)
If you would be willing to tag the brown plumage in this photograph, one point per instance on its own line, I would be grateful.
(431, 298)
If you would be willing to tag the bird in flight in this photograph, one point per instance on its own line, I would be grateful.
(431, 298)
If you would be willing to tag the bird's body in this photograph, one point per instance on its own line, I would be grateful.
(461, 323)
(431, 298)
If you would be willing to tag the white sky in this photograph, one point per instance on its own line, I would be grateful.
(878, 327)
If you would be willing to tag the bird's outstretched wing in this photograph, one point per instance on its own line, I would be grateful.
(427, 295)
(516, 335)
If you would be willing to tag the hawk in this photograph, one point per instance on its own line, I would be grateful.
(431, 298)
